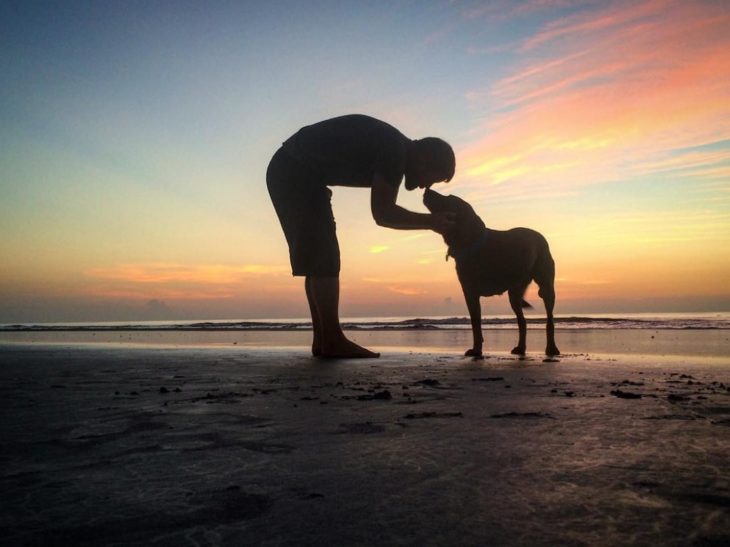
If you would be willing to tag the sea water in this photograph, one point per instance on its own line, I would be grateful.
(683, 334)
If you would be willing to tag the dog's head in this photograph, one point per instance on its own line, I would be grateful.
(468, 227)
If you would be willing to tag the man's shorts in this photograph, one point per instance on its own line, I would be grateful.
(303, 205)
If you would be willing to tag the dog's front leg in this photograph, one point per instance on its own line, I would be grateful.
(475, 315)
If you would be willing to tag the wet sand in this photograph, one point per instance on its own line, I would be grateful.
(687, 342)
(106, 445)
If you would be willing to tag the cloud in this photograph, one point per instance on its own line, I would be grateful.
(605, 95)
(406, 291)
(412, 237)
(504, 9)
(690, 162)
(377, 249)
(399, 286)
(207, 274)
(157, 309)
(173, 281)
(616, 16)
(155, 305)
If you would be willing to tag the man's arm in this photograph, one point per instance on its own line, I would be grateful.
(387, 213)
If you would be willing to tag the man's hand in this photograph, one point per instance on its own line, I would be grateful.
(443, 222)
(387, 213)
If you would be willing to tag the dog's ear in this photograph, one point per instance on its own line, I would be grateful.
(467, 226)
(451, 236)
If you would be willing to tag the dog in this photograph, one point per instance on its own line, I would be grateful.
(490, 262)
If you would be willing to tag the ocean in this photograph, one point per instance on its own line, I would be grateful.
(696, 335)
(651, 321)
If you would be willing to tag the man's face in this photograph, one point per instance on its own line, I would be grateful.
(420, 176)
(421, 173)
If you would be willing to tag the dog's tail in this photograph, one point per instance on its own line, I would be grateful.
(526, 304)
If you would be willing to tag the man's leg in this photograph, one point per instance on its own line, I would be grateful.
(303, 205)
(316, 324)
(324, 293)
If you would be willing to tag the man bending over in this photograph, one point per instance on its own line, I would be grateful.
(352, 150)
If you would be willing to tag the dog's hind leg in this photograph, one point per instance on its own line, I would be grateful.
(548, 296)
(517, 303)
(546, 281)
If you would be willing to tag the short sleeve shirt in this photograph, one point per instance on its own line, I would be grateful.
(350, 150)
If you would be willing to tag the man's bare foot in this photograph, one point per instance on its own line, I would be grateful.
(346, 349)
(316, 346)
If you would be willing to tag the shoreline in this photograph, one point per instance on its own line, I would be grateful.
(711, 343)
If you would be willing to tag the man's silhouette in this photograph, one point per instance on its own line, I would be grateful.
(353, 150)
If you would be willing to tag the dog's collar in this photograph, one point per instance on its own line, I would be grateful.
(465, 252)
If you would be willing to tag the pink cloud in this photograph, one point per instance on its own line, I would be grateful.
(614, 16)
(607, 95)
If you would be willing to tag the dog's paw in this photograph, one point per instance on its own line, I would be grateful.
(552, 351)
(518, 350)
(476, 354)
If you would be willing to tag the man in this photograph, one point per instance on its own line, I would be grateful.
(352, 150)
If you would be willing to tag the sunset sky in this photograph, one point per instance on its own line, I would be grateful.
(135, 136)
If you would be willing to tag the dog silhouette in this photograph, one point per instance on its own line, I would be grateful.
(490, 262)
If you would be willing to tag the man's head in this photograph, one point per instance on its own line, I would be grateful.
(430, 160)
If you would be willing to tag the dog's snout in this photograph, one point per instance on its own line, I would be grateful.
(428, 194)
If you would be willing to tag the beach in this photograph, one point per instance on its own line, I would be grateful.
(242, 443)
(195, 195)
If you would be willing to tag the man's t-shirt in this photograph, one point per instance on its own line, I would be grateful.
(349, 150)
